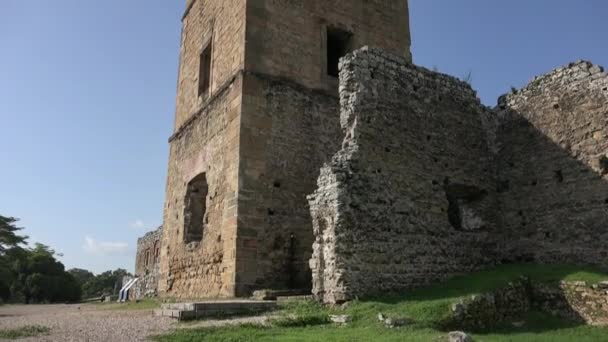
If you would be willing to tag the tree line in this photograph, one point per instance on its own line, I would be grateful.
(34, 275)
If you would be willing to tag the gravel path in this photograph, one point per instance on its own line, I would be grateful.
(85, 322)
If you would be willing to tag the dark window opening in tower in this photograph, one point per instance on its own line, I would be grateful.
(195, 208)
(338, 45)
(156, 251)
(204, 73)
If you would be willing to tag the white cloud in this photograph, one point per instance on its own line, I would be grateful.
(138, 224)
(104, 248)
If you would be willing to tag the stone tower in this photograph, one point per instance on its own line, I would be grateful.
(257, 115)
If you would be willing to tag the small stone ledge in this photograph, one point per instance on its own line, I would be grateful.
(217, 308)
(574, 300)
(487, 309)
(276, 294)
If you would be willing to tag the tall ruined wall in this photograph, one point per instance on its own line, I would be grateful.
(208, 147)
(148, 251)
(552, 145)
(147, 265)
(409, 199)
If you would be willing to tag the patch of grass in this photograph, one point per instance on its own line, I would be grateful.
(146, 304)
(26, 331)
(308, 321)
(301, 314)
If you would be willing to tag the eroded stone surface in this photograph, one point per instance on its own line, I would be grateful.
(551, 143)
(489, 309)
(147, 265)
(408, 200)
(429, 183)
(255, 139)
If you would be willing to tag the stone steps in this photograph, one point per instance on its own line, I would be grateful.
(214, 308)
(277, 294)
(283, 299)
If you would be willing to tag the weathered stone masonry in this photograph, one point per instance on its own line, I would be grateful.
(147, 264)
(552, 145)
(256, 117)
(424, 182)
(409, 199)
(430, 184)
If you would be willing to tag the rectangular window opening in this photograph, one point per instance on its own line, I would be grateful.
(204, 75)
(195, 209)
(338, 45)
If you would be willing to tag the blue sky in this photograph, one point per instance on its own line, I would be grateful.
(87, 95)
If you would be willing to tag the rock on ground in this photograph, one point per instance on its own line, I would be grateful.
(459, 336)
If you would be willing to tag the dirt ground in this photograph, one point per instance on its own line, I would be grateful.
(89, 322)
(85, 322)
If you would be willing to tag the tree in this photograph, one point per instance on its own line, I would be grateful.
(106, 283)
(8, 234)
(9, 247)
(45, 279)
(81, 276)
(35, 275)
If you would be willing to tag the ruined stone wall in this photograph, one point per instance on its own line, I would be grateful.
(147, 265)
(148, 251)
(552, 166)
(204, 20)
(409, 199)
(208, 146)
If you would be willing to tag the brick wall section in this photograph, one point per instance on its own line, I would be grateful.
(225, 22)
(270, 90)
(205, 140)
(290, 125)
(409, 199)
(552, 145)
(288, 132)
(209, 145)
(287, 38)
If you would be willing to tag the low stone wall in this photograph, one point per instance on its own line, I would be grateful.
(574, 301)
(488, 309)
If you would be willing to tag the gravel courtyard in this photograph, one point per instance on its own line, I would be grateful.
(85, 322)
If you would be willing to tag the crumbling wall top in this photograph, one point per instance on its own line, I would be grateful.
(567, 78)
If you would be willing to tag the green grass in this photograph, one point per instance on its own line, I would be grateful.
(146, 304)
(307, 321)
(26, 331)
